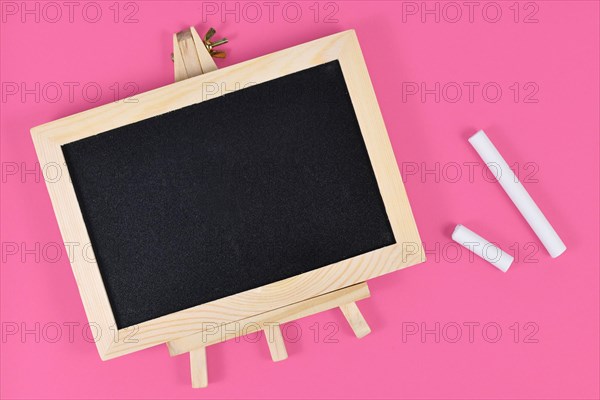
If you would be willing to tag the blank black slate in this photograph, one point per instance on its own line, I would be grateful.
(227, 195)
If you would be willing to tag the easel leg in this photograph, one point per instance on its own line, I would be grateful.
(196, 343)
(275, 342)
(355, 319)
(198, 368)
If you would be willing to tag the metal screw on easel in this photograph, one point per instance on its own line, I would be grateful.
(210, 45)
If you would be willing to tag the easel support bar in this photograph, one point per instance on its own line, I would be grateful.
(315, 305)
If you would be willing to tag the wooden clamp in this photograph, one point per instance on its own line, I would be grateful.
(193, 56)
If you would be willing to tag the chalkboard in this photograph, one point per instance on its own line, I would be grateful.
(229, 194)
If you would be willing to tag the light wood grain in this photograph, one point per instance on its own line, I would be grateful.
(407, 251)
(189, 53)
(178, 62)
(212, 334)
(355, 319)
(206, 61)
(190, 56)
(198, 368)
(275, 342)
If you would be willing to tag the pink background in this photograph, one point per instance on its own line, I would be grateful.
(551, 129)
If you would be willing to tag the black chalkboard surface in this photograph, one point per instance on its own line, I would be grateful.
(230, 194)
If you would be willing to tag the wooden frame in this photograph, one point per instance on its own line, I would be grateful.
(344, 47)
(345, 298)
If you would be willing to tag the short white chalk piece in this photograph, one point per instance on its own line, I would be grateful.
(481, 247)
(517, 193)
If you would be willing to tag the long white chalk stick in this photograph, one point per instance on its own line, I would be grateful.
(484, 249)
(517, 193)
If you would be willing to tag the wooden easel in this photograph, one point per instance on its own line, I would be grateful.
(193, 56)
